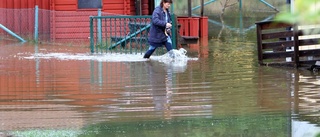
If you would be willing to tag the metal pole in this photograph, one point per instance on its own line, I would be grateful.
(197, 7)
(269, 5)
(240, 5)
(202, 8)
(91, 36)
(11, 33)
(241, 21)
(174, 24)
(99, 28)
(36, 23)
(189, 8)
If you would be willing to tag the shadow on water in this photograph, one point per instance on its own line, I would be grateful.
(49, 90)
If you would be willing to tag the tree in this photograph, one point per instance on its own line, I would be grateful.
(305, 12)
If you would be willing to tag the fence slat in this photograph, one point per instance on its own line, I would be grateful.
(283, 34)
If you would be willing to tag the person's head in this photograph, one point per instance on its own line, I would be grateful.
(165, 3)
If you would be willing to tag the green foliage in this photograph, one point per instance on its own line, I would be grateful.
(305, 12)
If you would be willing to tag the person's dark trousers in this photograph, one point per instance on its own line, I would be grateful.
(149, 52)
(153, 47)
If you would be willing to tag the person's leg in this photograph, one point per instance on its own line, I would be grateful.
(168, 45)
(149, 51)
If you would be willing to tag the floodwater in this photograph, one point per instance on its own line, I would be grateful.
(217, 90)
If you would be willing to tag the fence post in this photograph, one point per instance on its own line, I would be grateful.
(36, 18)
(174, 27)
(91, 35)
(296, 45)
(259, 42)
(99, 28)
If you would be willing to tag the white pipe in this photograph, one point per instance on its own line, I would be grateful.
(11, 33)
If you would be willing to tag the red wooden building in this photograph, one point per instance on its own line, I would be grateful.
(125, 7)
(64, 19)
(67, 20)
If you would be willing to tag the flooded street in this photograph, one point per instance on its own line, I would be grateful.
(217, 90)
(223, 94)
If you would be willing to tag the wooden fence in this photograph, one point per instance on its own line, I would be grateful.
(281, 44)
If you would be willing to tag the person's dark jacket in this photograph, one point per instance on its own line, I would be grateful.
(158, 26)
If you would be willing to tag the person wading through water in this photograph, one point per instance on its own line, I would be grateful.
(160, 31)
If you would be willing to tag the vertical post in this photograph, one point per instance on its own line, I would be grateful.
(289, 8)
(36, 25)
(259, 42)
(202, 8)
(91, 36)
(240, 5)
(296, 45)
(174, 28)
(99, 28)
(241, 21)
(189, 8)
(174, 32)
(138, 7)
(240, 16)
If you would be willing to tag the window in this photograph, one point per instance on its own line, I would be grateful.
(89, 4)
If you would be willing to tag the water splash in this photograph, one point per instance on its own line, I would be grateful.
(180, 57)
(176, 60)
(107, 57)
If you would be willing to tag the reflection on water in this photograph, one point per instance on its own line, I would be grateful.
(224, 94)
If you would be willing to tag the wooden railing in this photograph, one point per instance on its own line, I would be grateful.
(120, 34)
(282, 44)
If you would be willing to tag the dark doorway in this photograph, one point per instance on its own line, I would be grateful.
(151, 6)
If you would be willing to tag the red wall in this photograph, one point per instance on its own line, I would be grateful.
(21, 4)
(67, 22)
(71, 23)
(126, 7)
(21, 21)
(145, 7)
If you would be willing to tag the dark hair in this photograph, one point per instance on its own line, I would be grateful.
(165, 1)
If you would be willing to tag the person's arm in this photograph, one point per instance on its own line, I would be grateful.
(156, 19)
